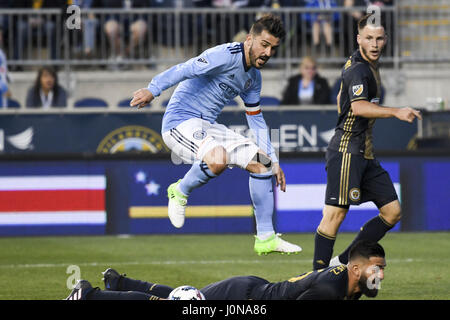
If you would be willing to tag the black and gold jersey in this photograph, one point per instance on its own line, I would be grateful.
(324, 284)
(359, 81)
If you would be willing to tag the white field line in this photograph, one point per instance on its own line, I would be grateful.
(173, 262)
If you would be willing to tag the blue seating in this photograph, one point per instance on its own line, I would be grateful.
(90, 102)
(270, 101)
(13, 103)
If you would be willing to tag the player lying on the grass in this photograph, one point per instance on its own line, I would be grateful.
(362, 275)
(189, 128)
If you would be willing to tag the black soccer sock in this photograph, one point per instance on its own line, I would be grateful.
(97, 294)
(373, 230)
(323, 250)
(159, 290)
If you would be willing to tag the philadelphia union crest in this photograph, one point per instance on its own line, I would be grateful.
(132, 138)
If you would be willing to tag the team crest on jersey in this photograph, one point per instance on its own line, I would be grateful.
(248, 83)
(358, 89)
(200, 134)
(355, 194)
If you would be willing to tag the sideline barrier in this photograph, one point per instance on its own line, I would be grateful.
(131, 190)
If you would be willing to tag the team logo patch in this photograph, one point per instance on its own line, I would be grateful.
(132, 138)
(199, 135)
(355, 194)
(358, 89)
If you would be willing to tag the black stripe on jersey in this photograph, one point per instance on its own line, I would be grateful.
(182, 142)
(204, 167)
(261, 177)
(178, 133)
(235, 49)
(252, 105)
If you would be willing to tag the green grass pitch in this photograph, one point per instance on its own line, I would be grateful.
(418, 264)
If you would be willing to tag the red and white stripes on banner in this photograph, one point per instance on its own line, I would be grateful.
(47, 200)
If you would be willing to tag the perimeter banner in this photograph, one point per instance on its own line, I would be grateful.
(119, 132)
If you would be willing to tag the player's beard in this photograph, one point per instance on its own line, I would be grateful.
(362, 283)
(365, 53)
(253, 58)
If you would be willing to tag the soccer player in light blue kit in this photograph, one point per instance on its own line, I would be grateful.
(189, 128)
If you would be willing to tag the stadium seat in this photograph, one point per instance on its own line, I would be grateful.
(270, 101)
(124, 103)
(90, 102)
(13, 103)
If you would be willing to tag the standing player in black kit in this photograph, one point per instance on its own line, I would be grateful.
(354, 175)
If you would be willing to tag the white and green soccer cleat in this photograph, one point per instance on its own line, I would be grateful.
(177, 205)
(275, 244)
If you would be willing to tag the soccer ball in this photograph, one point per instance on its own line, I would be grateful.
(186, 293)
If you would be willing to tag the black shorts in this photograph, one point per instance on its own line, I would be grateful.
(235, 288)
(352, 180)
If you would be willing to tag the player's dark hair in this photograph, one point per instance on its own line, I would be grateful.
(366, 249)
(271, 23)
(368, 19)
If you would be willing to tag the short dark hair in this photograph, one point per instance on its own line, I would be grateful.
(366, 249)
(365, 20)
(271, 23)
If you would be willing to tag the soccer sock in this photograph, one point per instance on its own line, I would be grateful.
(159, 290)
(198, 175)
(98, 294)
(373, 230)
(261, 193)
(323, 250)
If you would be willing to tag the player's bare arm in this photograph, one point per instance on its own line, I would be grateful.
(366, 109)
(141, 98)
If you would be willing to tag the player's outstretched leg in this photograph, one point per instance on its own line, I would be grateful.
(261, 193)
(178, 192)
(120, 282)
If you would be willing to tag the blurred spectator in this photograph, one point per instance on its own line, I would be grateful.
(351, 24)
(89, 28)
(322, 23)
(115, 24)
(4, 80)
(40, 27)
(307, 87)
(46, 92)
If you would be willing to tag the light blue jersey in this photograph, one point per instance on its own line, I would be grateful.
(207, 83)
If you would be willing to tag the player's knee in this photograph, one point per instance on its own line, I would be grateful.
(334, 215)
(260, 164)
(217, 160)
(391, 213)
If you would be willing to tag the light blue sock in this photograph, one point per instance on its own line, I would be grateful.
(198, 175)
(261, 193)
